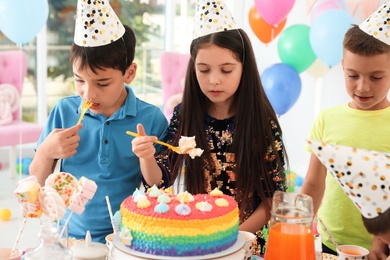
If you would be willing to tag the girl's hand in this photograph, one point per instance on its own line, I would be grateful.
(143, 146)
(61, 143)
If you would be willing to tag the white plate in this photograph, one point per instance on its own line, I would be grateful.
(234, 248)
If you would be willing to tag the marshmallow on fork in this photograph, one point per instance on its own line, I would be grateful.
(83, 193)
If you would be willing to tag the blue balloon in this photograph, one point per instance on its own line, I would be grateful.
(299, 181)
(282, 85)
(327, 35)
(21, 20)
(27, 160)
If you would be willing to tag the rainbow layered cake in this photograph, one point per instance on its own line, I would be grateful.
(160, 223)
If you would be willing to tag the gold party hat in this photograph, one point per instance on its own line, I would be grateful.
(378, 24)
(96, 24)
(212, 17)
(364, 175)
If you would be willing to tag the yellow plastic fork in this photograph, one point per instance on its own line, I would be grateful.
(84, 107)
(173, 148)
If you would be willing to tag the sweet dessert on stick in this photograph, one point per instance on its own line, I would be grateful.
(84, 192)
(64, 183)
(53, 206)
(26, 193)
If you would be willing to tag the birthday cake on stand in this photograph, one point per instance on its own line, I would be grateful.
(160, 224)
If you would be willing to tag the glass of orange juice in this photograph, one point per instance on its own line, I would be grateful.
(290, 234)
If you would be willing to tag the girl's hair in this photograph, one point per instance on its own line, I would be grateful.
(116, 55)
(253, 135)
(378, 225)
(361, 43)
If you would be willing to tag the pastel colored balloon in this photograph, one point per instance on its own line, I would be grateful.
(21, 20)
(318, 69)
(263, 31)
(275, 11)
(327, 34)
(324, 5)
(282, 85)
(294, 47)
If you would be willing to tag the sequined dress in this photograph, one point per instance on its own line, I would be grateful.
(220, 136)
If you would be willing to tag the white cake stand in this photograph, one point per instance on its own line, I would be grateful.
(122, 252)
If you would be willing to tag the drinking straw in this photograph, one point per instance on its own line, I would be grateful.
(329, 234)
(64, 227)
(18, 237)
(111, 216)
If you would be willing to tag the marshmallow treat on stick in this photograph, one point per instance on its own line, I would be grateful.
(84, 192)
(64, 183)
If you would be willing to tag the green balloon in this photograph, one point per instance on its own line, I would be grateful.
(294, 47)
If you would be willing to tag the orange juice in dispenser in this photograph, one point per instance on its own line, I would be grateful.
(290, 235)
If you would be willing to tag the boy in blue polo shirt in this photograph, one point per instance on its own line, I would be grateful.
(102, 58)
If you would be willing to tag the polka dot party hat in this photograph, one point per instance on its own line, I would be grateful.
(364, 175)
(212, 17)
(378, 24)
(96, 24)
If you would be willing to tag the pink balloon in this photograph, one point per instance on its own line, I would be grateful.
(274, 11)
(324, 5)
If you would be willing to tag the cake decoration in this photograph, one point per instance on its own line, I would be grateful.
(154, 192)
(221, 202)
(117, 219)
(183, 230)
(140, 196)
(164, 198)
(125, 236)
(182, 209)
(204, 206)
(161, 208)
(143, 203)
(185, 196)
(216, 193)
(136, 191)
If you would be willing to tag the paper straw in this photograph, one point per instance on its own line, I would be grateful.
(329, 234)
(66, 224)
(19, 235)
(111, 216)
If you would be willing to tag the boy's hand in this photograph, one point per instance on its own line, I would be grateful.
(143, 146)
(61, 143)
(376, 255)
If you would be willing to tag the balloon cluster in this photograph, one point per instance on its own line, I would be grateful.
(300, 47)
(21, 20)
(293, 181)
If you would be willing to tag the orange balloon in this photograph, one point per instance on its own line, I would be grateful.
(264, 31)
